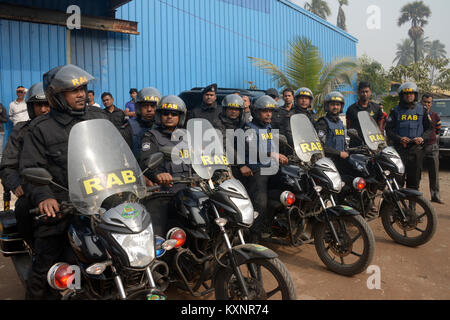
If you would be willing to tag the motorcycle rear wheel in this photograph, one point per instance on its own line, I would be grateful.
(398, 229)
(271, 273)
(349, 229)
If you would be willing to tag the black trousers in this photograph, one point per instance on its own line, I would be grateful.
(412, 158)
(46, 252)
(24, 219)
(431, 162)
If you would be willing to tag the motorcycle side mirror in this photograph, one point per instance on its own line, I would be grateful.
(39, 176)
(155, 160)
(353, 133)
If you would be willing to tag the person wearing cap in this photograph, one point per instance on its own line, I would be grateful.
(130, 106)
(408, 127)
(363, 104)
(259, 132)
(331, 129)
(273, 93)
(37, 105)
(46, 146)
(209, 109)
(281, 115)
(170, 115)
(431, 158)
(146, 102)
(18, 108)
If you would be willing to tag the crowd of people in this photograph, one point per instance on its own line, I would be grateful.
(44, 118)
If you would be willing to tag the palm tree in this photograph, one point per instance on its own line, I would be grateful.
(435, 50)
(305, 68)
(341, 15)
(416, 13)
(319, 8)
(405, 50)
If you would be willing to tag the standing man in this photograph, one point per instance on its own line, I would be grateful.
(116, 115)
(146, 102)
(18, 108)
(363, 104)
(409, 126)
(247, 112)
(130, 107)
(209, 109)
(282, 114)
(46, 146)
(91, 98)
(431, 157)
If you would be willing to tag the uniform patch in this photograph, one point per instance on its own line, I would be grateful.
(146, 146)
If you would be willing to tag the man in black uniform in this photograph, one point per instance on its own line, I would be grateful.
(146, 102)
(170, 115)
(281, 115)
(408, 126)
(209, 109)
(37, 105)
(331, 129)
(117, 117)
(46, 146)
(363, 104)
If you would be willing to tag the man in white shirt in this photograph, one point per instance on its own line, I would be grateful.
(18, 108)
(91, 98)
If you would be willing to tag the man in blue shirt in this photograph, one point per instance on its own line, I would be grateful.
(130, 109)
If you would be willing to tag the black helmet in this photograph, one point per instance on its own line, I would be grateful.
(236, 102)
(306, 92)
(263, 103)
(148, 94)
(171, 103)
(61, 79)
(408, 87)
(34, 95)
(334, 96)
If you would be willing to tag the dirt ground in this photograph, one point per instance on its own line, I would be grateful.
(421, 273)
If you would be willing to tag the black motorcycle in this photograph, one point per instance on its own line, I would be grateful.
(214, 209)
(112, 244)
(373, 171)
(302, 204)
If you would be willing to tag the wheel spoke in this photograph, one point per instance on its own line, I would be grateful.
(356, 254)
(356, 238)
(405, 234)
(420, 230)
(342, 261)
(271, 293)
(421, 216)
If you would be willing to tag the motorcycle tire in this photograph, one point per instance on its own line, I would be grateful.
(22, 265)
(324, 243)
(227, 287)
(389, 217)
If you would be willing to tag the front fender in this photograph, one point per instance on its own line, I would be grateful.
(250, 251)
(342, 211)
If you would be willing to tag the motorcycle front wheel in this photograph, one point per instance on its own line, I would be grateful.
(419, 226)
(353, 253)
(265, 279)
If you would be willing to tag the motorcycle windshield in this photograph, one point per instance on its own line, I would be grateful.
(100, 164)
(370, 131)
(306, 141)
(206, 148)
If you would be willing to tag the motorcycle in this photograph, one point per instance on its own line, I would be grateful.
(214, 209)
(372, 172)
(110, 234)
(304, 210)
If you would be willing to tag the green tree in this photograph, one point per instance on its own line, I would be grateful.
(435, 49)
(306, 68)
(405, 50)
(373, 72)
(341, 20)
(416, 13)
(319, 8)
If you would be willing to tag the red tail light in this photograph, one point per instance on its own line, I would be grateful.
(359, 183)
(177, 234)
(287, 198)
(60, 276)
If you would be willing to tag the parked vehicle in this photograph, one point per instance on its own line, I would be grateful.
(302, 203)
(372, 171)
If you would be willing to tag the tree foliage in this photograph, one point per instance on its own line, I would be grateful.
(373, 72)
(319, 8)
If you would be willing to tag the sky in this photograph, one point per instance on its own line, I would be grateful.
(381, 43)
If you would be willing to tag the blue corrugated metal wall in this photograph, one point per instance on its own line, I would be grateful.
(184, 44)
(27, 50)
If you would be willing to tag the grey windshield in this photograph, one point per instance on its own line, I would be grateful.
(206, 148)
(306, 141)
(370, 131)
(100, 164)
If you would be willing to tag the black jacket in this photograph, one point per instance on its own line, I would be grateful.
(204, 112)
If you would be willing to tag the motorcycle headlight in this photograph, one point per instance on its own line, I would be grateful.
(336, 180)
(246, 208)
(139, 247)
(394, 157)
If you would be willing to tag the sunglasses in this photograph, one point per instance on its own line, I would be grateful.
(167, 113)
(20, 91)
